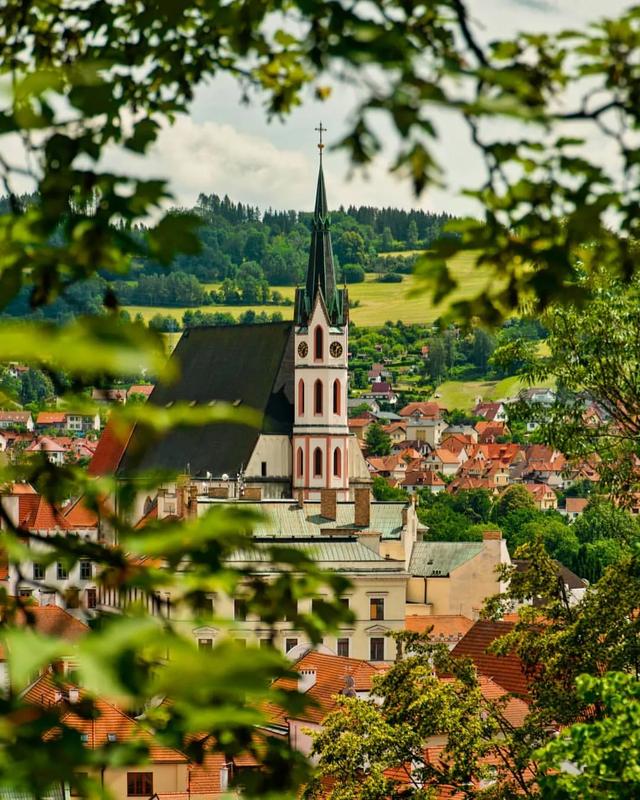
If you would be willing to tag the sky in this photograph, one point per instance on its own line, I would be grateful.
(226, 147)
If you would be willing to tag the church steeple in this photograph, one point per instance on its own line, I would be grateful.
(321, 273)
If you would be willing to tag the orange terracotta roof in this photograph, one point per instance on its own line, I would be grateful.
(37, 514)
(50, 417)
(111, 720)
(141, 388)
(55, 621)
(331, 672)
(79, 515)
(576, 505)
(21, 488)
(426, 410)
(151, 514)
(110, 449)
(504, 670)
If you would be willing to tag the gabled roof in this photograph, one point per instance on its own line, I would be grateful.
(504, 670)
(426, 410)
(37, 514)
(79, 515)
(15, 416)
(140, 388)
(331, 674)
(110, 449)
(426, 477)
(576, 505)
(110, 720)
(52, 620)
(248, 365)
(443, 626)
(51, 418)
(439, 559)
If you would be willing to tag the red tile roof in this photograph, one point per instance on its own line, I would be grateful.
(444, 625)
(141, 388)
(50, 418)
(110, 449)
(504, 670)
(55, 621)
(424, 409)
(576, 505)
(111, 720)
(331, 672)
(79, 515)
(37, 514)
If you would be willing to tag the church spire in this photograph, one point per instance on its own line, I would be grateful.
(321, 274)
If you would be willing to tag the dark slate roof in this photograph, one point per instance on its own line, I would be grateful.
(321, 273)
(248, 363)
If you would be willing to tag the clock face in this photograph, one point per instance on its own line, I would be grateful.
(303, 349)
(336, 349)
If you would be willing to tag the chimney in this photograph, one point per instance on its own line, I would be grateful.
(57, 696)
(328, 503)
(253, 493)
(306, 680)
(491, 536)
(300, 497)
(74, 695)
(192, 507)
(224, 778)
(362, 508)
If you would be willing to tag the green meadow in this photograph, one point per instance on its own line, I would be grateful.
(373, 303)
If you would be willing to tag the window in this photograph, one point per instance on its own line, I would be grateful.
(38, 572)
(240, 610)
(337, 462)
(336, 397)
(317, 462)
(289, 644)
(112, 737)
(376, 607)
(62, 571)
(139, 784)
(318, 344)
(92, 598)
(241, 642)
(25, 592)
(263, 468)
(86, 571)
(343, 648)
(300, 460)
(317, 397)
(300, 396)
(265, 643)
(292, 612)
(377, 649)
(316, 605)
(344, 601)
(205, 644)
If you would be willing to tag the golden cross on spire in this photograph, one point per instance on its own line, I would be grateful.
(320, 130)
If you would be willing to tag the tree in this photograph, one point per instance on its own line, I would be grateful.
(91, 78)
(514, 498)
(412, 234)
(483, 347)
(352, 273)
(382, 490)
(436, 366)
(377, 440)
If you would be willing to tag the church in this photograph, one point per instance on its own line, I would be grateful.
(295, 374)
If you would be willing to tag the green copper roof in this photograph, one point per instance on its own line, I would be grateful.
(439, 559)
(289, 521)
(321, 273)
(341, 555)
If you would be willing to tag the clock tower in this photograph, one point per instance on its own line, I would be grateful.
(320, 431)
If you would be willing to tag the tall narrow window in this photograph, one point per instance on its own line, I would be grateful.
(318, 344)
(336, 397)
(301, 396)
(317, 397)
(317, 462)
(337, 462)
(300, 465)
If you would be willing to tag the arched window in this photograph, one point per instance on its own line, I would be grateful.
(336, 397)
(317, 463)
(318, 345)
(301, 397)
(317, 397)
(300, 462)
(337, 462)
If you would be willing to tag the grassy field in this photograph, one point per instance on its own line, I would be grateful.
(463, 394)
(377, 302)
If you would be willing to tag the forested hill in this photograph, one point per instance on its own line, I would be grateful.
(246, 250)
(277, 241)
